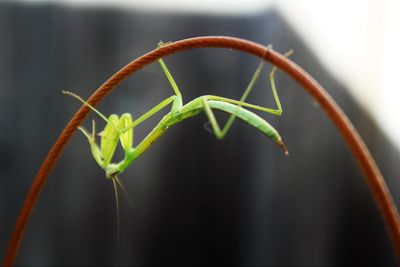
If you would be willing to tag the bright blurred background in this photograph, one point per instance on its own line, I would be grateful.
(198, 200)
(356, 40)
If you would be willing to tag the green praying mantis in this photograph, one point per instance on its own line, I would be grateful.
(120, 129)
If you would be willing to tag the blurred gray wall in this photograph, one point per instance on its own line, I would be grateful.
(196, 200)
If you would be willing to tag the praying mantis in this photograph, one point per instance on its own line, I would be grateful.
(120, 129)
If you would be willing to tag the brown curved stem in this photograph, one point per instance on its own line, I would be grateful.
(374, 178)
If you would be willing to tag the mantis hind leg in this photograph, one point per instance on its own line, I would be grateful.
(220, 134)
(277, 111)
(243, 98)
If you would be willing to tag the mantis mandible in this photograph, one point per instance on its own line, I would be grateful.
(121, 129)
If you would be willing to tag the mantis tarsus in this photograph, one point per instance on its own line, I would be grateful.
(120, 129)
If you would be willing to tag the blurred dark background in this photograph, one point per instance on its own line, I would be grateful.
(196, 200)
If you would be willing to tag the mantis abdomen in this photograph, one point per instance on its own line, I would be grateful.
(248, 117)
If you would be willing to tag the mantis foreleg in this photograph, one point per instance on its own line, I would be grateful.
(93, 146)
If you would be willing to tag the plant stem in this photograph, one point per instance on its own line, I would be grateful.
(373, 176)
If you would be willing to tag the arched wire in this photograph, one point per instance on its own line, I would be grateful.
(372, 173)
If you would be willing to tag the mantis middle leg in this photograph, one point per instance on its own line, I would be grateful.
(175, 99)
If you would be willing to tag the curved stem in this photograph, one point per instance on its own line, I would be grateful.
(373, 176)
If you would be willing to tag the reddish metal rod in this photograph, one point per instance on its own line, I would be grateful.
(373, 176)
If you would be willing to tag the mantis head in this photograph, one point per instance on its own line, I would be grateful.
(112, 171)
(117, 130)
